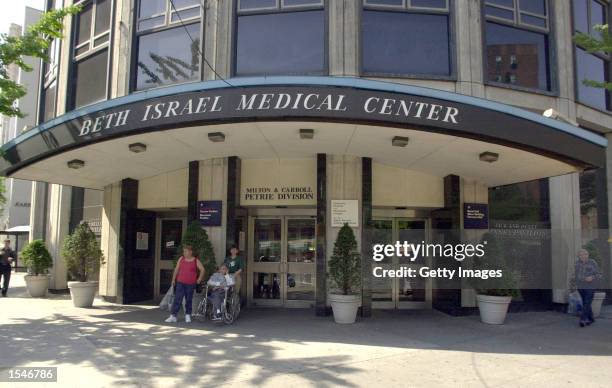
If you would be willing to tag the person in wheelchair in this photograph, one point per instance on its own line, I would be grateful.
(219, 282)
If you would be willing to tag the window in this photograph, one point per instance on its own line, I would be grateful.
(168, 41)
(518, 43)
(280, 37)
(596, 66)
(406, 37)
(49, 75)
(91, 52)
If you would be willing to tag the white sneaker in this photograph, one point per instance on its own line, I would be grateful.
(171, 319)
(188, 318)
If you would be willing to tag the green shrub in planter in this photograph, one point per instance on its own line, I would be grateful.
(197, 237)
(82, 254)
(495, 259)
(345, 262)
(36, 258)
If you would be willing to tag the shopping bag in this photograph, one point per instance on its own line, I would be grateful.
(574, 305)
(166, 302)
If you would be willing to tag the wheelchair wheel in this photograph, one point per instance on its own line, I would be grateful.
(202, 310)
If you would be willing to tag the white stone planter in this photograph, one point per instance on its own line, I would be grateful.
(493, 309)
(598, 299)
(37, 285)
(344, 307)
(83, 293)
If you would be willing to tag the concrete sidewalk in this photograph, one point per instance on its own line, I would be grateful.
(113, 345)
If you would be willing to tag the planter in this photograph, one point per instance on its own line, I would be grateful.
(83, 293)
(493, 309)
(598, 299)
(37, 285)
(344, 307)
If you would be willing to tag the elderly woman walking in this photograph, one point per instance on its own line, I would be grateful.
(587, 273)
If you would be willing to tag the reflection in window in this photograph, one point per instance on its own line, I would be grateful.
(591, 66)
(275, 37)
(517, 43)
(409, 38)
(169, 43)
(91, 43)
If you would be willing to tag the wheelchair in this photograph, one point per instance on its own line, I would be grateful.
(230, 307)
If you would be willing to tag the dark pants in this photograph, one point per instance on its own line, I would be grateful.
(216, 297)
(5, 273)
(183, 291)
(587, 299)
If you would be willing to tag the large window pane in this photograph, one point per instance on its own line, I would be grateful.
(534, 6)
(49, 101)
(592, 68)
(84, 23)
(405, 43)
(168, 57)
(151, 7)
(581, 16)
(90, 79)
(281, 43)
(517, 57)
(103, 16)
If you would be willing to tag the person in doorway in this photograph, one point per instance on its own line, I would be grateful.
(184, 279)
(587, 273)
(235, 265)
(7, 256)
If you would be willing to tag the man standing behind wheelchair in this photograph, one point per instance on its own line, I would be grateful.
(235, 266)
(185, 278)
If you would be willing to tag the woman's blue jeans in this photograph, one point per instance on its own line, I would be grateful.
(183, 291)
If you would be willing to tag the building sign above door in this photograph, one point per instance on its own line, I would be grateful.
(475, 216)
(304, 98)
(210, 213)
(344, 212)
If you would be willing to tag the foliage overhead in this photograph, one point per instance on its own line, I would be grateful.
(345, 262)
(82, 254)
(35, 43)
(37, 258)
(602, 44)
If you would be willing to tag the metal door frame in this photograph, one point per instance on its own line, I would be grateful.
(395, 303)
(282, 268)
(165, 264)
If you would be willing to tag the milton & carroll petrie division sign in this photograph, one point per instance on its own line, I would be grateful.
(315, 103)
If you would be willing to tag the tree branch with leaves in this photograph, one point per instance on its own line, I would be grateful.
(593, 45)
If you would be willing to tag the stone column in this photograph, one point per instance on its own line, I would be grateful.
(57, 230)
(566, 231)
(109, 242)
(213, 186)
(38, 211)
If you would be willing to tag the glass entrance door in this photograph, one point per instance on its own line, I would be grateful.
(282, 261)
(400, 293)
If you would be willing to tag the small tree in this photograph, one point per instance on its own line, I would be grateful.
(82, 253)
(603, 44)
(495, 259)
(345, 263)
(37, 258)
(197, 237)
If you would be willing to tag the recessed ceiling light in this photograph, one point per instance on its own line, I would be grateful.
(137, 147)
(75, 164)
(400, 141)
(489, 157)
(306, 133)
(216, 137)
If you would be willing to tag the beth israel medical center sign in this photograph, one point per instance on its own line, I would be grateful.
(421, 109)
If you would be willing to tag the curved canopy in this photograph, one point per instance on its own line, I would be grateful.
(203, 106)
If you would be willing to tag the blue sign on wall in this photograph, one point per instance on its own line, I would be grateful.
(209, 212)
(475, 216)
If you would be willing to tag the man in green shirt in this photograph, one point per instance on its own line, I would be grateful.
(235, 265)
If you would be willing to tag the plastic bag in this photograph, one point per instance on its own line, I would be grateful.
(574, 305)
(166, 302)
